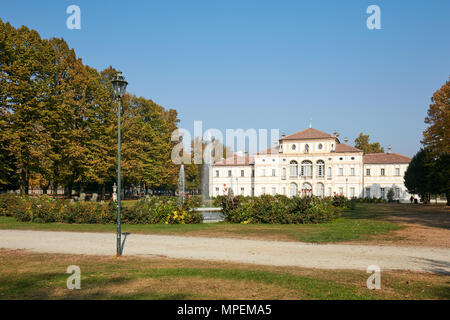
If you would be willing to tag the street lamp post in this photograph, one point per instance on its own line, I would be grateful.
(119, 87)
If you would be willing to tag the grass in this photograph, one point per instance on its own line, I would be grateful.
(42, 276)
(358, 224)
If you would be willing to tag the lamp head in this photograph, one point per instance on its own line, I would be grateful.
(119, 85)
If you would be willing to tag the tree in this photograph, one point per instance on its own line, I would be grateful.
(362, 142)
(418, 174)
(25, 78)
(58, 121)
(439, 173)
(437, 136)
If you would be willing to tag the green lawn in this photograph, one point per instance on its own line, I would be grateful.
(42, 276)
(358, 224)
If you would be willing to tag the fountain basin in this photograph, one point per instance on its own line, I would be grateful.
(211, 215)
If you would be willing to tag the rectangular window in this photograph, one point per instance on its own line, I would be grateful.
(383, 191)
(329, 192)
(242, 191)
(329, 172)
(263, 190)
(273, 172)
(274, 191)
(382, 171)
(263, 172)
(341, 171)
(397, 192)
(367, 172)
(352, 171)
(397, 171)
(352, 192)
(367, 192)
(242, 173)
(229, 173)
(217, 173)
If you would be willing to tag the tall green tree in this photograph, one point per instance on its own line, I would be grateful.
(24, 89)
(437, 136)
(58, 121)
(363, 143)
(417, 175)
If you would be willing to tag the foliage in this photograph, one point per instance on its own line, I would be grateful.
(58, 121)
(391, 195)
(370, 200)
(437, 136)
(278, 209)
(428, 174)
(47, 210)
(362, 142)
(436, 140)
(417, 175)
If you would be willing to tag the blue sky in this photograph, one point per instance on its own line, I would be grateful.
(267, 64)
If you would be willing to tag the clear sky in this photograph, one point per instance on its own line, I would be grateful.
(267, 64)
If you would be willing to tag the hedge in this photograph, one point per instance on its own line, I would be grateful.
(281, 209)
(43, 209)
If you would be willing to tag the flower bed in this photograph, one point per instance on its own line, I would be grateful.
(44, 209)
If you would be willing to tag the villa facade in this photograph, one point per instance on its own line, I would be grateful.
(311, 162)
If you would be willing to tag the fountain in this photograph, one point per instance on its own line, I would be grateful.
(209, 213)
(181, 185)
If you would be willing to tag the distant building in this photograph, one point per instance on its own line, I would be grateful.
(311, 162)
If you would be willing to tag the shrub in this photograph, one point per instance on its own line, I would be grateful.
(391, 195)
(278, 209)
(44, 209)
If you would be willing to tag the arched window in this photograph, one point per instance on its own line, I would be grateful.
(307, 189)
(306, 169)
(320, 190)
(293, 190)
(320, 168)
(293, 168)
(306, 148)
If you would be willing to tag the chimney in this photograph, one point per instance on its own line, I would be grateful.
(389, 149)
(346, 140)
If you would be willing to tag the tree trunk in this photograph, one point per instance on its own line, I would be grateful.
(23, 181)
(55, 189)
(103, 191)
(68, 191)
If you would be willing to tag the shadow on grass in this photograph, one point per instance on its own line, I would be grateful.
(429, 216)
(437, 266)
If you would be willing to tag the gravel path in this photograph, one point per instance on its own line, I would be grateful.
(325, 256)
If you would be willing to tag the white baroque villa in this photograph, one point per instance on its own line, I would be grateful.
(311, 162)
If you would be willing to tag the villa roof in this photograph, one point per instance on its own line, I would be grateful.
(306, 134)
(385, 158)
(272, 150)
(346, 148)
(236, 160)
